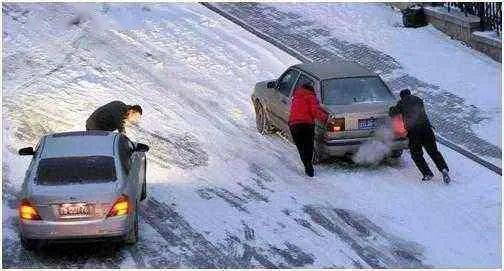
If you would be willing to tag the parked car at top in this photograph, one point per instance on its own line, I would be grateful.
(357, 101)
(82, 186)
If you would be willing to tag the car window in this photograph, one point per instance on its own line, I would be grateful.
(345, 91)
(125, 152)
(76, 170)
(286, 82)
(303, 79)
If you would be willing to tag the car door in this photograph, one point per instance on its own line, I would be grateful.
(304, 79)
(130, 163)
(281, 99)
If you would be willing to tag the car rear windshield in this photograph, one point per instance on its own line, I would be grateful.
(76, 170)
(346, 91)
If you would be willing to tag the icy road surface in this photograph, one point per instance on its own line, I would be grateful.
(220, 194)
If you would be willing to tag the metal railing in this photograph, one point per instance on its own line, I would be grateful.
(490, 13)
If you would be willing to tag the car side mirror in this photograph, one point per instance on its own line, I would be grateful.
(272, 84)
(141, 147)
(26, 151)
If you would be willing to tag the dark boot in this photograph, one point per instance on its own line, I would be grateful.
(310, 171)
(446, 176)
(427, 177)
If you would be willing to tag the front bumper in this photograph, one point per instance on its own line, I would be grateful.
(341, 147)
(53, 230)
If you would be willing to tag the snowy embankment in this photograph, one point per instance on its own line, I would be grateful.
(220, 194)
(426, 53)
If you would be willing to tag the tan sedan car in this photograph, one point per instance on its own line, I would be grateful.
(356, 100)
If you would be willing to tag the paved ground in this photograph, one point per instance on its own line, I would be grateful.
(452, 117)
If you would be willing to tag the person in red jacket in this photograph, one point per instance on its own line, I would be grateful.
(304, 110)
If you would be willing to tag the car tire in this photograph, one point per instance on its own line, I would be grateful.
(396, 154)
(132, 237)
(144, 184)
(31, 244)
(263, 124)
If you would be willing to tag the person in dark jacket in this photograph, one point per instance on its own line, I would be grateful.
(113, 116)
(303, 112)
(420, 134)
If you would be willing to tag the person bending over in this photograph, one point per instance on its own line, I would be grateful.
(420, 134)
(113, 116)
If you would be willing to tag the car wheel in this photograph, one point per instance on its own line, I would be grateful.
(396, 154)
(132, 237)
(144, 185)
(31, 244)
(262, 122)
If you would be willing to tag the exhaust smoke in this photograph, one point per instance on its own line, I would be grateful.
(375, 150)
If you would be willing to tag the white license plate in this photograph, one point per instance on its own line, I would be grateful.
(74, 210)
(367, 124)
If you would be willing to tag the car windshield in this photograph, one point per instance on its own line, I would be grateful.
(76, 170)
(346, 91)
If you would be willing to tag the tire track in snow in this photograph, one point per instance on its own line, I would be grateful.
(250, 249)
(376, 247)
(197, 251)
(172, 149)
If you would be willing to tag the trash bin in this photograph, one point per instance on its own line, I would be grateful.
(414, 16)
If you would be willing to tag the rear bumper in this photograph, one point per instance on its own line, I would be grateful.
(340, 147)
(61, 230)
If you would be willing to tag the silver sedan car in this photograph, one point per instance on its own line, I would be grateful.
(82, 186)
(357, 101)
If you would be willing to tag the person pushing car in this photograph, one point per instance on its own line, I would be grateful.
(113, 116)
(303, 112)
(420, 134)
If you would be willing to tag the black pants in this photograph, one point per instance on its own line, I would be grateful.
(302, 134)
(424, 137)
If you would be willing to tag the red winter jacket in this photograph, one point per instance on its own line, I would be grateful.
(305, 108)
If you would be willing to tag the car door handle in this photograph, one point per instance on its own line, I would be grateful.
(284, 101)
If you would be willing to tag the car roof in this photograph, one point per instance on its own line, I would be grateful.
(80, 143)
(334, 69)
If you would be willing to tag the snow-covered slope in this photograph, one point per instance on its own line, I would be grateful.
(220, 194)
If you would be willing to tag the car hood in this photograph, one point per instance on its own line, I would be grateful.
(373, 108)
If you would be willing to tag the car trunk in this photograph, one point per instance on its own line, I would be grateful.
(74, 202)
(361, 119)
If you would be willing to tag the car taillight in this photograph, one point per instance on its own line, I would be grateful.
(398, 127)
(336, 125)
(120, 207)
(27, 211)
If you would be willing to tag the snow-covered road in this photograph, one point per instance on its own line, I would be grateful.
(220, 194)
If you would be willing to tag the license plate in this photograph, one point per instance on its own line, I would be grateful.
(74, 210)
(366, 124)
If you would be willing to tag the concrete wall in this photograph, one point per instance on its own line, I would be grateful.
(403, 5)
(461, 27)
(454, 23)
(489, 46)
